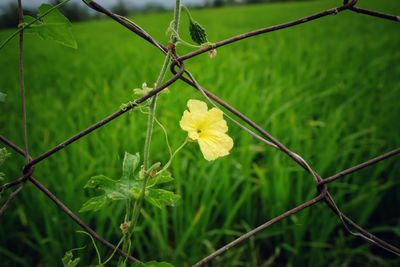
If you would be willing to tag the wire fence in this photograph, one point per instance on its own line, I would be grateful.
(181, 73)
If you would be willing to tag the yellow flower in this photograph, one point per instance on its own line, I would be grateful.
(208, 128)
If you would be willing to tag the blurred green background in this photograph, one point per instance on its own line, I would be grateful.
(328, 89)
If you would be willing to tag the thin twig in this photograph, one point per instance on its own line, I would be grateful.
(13, 183)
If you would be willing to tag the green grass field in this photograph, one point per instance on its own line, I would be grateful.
(328, 89)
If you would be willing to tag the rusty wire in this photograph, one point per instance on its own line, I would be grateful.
(184, 75)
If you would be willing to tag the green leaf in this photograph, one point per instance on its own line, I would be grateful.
(161, 197)
(153, 264)
(113, 190)
(129, 186)
(54, 26)
(30, 19)
(162, 178)
(68, 260)
(129, 166)
(94, 203)
(2, 97)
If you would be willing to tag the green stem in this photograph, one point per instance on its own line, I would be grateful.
(149, 132)
(177, 18)
(32, 22)
(150, 118)
(187, 12)
(161, 76)
(172, 156)
(113, 253)
(94, 244)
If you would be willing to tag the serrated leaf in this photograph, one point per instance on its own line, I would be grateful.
(2, 97)
(152, 264)
(129, 166)
(161, 197)
(68, 260)
(129, 187)
(113, 190)
(54, 26)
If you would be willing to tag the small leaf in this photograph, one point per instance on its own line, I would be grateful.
(2, 97)
(161, 197)
(54, 26)
(129, 166)
(68, 260)
(142, 91)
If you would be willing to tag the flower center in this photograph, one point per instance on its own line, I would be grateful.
(199, 132)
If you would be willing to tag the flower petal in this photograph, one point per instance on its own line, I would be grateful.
(197, 106)
(189, 122)
(214, 144)
(214, 120)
